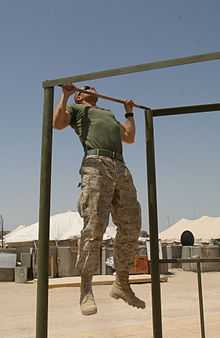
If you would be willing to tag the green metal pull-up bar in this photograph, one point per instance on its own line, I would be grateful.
(45, 183)
(134, 69)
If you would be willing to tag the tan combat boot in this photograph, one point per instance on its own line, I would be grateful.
(122, 290)
(87, 301)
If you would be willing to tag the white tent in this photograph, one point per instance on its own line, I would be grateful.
(63, 226)
(203, 229)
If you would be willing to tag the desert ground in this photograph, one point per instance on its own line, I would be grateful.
(115, 319)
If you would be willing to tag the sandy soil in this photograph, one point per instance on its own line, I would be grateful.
(115, 319)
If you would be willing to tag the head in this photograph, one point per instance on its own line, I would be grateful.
(80, 97)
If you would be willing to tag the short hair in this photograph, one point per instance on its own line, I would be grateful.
(86, 87)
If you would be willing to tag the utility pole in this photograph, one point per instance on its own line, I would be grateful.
(2, 228)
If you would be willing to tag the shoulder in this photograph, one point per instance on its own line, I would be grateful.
(74, 108)
(104, 112)
(76, 112)
(109, 111)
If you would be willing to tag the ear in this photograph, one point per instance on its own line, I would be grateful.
(77, 97)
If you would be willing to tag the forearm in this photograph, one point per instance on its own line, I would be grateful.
(60, 116)
(129, 130)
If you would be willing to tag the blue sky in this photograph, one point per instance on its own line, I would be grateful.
(49, 39)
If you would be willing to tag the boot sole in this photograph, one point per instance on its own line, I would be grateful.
(89, 313)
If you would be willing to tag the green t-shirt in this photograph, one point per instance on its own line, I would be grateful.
(96, 127)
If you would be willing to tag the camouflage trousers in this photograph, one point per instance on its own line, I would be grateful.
(107, 188)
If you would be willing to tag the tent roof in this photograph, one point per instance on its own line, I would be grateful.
(204, 228)
(63, 226)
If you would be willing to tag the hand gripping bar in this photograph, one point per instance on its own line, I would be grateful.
(110, 98)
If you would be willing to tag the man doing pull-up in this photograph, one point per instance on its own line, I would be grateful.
(106, 188)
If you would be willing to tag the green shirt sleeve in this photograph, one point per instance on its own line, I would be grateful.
(74, 114)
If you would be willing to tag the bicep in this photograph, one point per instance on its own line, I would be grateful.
(67, 118)
(63, 121)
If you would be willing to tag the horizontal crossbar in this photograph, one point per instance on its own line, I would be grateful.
(133, 69)
(186, 109)
(191, 260)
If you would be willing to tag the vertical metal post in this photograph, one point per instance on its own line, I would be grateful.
(44, 216)
(202, 322)
(2, 229)
(153, 224)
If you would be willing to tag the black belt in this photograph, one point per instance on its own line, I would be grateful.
(105, 152)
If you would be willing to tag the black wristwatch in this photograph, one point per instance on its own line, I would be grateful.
(129, 115)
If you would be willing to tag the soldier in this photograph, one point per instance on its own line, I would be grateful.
(106, 188)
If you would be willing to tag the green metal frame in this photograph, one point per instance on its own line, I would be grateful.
(45, 180)
(44, 215)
